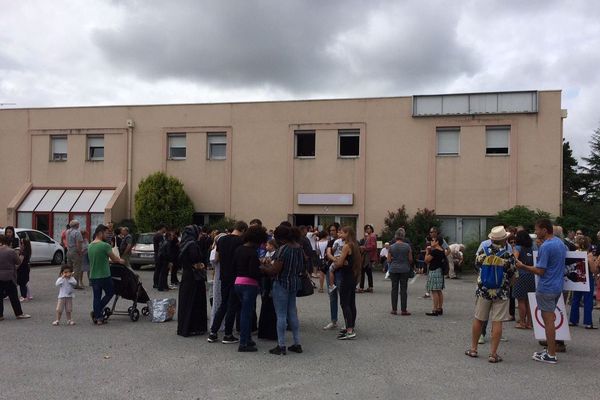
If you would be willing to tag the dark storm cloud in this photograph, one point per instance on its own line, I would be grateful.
(298, 46)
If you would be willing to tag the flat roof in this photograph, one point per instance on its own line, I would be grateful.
(265, 101)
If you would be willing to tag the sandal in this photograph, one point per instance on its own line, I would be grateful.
(360, 290)
(591, 327)
(56, 323)
(471, 353)
(321, 290)
(70, 322)
(520, 325)
(494, 358)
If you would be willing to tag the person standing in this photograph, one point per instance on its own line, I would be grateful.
(525, 282)
(583, 244)
(400, 262)
(157, 240)
(216, 283)
(109, 237)
(126, 245)
(99, 253)
(455, 259)
(334, 249)
(63, 238)
(248, 273)
(24, 269)
(191, 314)
(435, 257)
(370, 250)
(230, 303)
(9, 261)
(75, 252)
(350, 265)
(497, 261)
(288, 264)
(11, 237)
(550, 269)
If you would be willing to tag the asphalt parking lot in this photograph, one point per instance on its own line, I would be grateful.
(416, 357)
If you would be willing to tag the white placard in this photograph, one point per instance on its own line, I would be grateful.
(325, 199)
(561, 322)
(576, 271)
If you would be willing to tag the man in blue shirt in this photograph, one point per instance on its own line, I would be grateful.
(550, 268)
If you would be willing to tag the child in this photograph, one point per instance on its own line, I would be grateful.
(65, 294)
(337, 251)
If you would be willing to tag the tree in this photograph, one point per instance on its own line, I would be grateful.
(393, 221)
(573, 183)
(417, 227)
(520, 215)
(161, 199)
(592, 169)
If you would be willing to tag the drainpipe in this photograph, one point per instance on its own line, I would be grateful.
(130, 126)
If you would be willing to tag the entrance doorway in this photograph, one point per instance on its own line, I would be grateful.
(304, 219)
(42, 223)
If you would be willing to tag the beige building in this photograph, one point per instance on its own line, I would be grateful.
(467, 156)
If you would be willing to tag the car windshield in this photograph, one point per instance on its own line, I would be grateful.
(145, 238)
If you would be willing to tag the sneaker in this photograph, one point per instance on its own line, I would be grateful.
(247, 349)
(212, 337)
(330, 326)
(539, 353)
(278, 351)
(22, 299)
(545, 358)
(481, 339)
(331, 289)
(252, 343)
(503, 339)
(341, 331)
(23, 316)
(347, 335)
(230, 339)
(295, 348)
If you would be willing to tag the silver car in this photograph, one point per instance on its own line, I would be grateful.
(143, 251)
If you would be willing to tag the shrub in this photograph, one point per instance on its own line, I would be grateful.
(417, 227)
(393, 221)
(161, 199)
(469, 257)
(223, 224)
(520, 215)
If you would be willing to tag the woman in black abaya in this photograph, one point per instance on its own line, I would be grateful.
(191, 315)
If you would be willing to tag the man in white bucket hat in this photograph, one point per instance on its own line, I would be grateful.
(497, 266)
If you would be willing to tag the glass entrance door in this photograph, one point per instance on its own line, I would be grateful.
(323, 221)
(42, 223)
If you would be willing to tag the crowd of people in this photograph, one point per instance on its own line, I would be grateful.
(237, 266)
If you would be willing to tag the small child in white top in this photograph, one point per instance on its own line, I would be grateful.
(66, 282)
(338, 245)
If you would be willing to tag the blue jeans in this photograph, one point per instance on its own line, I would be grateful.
(285, 308)
(588, 305)
(247, 295)
(99, 285)
(333, 297)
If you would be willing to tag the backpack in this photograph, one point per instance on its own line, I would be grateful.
(491, 273)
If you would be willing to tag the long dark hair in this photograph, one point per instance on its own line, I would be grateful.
(523, 239)
(26, 248)
(356, 258)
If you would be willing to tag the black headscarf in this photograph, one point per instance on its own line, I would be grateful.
(190, 235)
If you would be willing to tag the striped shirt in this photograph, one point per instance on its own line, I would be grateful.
(293, 265)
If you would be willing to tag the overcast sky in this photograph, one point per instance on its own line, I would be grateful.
(102, 52)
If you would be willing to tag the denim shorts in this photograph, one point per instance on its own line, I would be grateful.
(547, 301)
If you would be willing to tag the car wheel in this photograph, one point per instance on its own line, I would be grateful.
(58, 258)
(136, 267)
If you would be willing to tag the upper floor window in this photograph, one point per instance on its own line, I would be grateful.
(348, 143)
(177, 146)
(217, 146)
(497, 140)
(448, 141)
(304, 144)
(58, 148)
(95, 148)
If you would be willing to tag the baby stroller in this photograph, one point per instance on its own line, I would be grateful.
(128, 286)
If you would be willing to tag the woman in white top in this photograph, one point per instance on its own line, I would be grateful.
(321, 249)
(216, 282)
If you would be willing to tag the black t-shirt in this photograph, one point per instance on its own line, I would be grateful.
(438, 259)
(246, 262)
(226, 248)
(156, 241)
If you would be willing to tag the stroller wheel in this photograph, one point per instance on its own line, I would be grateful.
(107, 312)
(130, 310)
(145, 311)
(134, 315)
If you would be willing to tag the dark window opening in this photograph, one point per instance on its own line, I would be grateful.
(497, 150)
(96, 153)
(349, 143)
(305, 143)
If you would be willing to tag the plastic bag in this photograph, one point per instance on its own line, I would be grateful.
(162, 310)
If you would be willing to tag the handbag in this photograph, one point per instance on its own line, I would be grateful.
(306, 288)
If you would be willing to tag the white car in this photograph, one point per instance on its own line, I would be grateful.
(44, 249)
(142, 252)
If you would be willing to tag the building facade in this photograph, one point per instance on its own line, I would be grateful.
(466, 156)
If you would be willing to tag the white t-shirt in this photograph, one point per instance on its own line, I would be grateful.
(384, 252)
(322, 248)
(66, 287)
(312, 238)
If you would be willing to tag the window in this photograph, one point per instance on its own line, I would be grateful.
(448, 143)
(464, 230)
(207, 219)
(58, 146)
(177, 146)
(349, 142)
(217, 146)
(95, 145)
(305, 144)
(497, 138)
